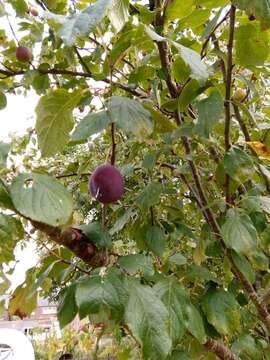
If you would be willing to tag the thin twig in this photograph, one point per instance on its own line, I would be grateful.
(12, 30)
(227, 102)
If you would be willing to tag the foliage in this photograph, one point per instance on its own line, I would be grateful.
(175, 94)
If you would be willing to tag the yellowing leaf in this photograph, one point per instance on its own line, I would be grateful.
(259, 148)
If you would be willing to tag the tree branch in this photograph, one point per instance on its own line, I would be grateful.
(55, 71)
(74, 240)
(208, 213)
(222, 351)
(227, 102)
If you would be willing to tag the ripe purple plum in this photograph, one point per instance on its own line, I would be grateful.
(23, 54)
(106, 184)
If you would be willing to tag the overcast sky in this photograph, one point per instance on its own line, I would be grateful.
(16, 118)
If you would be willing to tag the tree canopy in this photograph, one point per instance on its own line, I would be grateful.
(175, 95)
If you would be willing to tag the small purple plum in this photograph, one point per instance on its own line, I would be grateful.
(23, 54)
(106, 184)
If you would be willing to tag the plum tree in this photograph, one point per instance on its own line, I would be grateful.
(106, 184)
(23, 54)
(179, 97)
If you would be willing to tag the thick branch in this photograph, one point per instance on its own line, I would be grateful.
(266, 296)
(75, 241)
(222, 351)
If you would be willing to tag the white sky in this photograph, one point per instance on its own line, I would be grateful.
(16, 118)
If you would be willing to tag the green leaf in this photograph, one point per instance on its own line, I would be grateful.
(251, 45)
(4, 150)
(91, 124)
(100, 237)
(244, 266)
(155, 240)
(67, 307)
(178, 9)
(102, 293)
(261, 201)
(84, 23)
(42, 198)
(177, 259)
(147, 317)
(149, 196)
(238, 165)
(11, 231)
(180, 70)
(239, 232)
(137, 263)
(3, 100)
(174, 297)
(20, 6)
(222, 311)
(189, 93)
(210, 110)
(5, 199)
(55, 120)
(179, 355)
(118, 13)
(192, 59)
(197, 272)
(122, 221)
(130, 116)
(260, 9)
(246, 347)
(193, 321)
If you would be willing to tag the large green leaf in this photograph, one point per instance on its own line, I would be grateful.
(55, 120)
(199, 70)
(239, 232)
(118, 13)
(244, 266)
(260, 9)
(42, 198)
(98, 293)
(222, 311)
(238, 165)
(137, 263)
(252, 45)
(247, 347)
(178, 9)
(191, 58)
(67, 307)
(174, 297)
(149, 196)
(155, 240)
(91, 124)
(84, 23)
(130, 116)
(210, 110)
(147, 317)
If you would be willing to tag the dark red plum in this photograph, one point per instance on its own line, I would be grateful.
(106, 184)
(23, 54)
